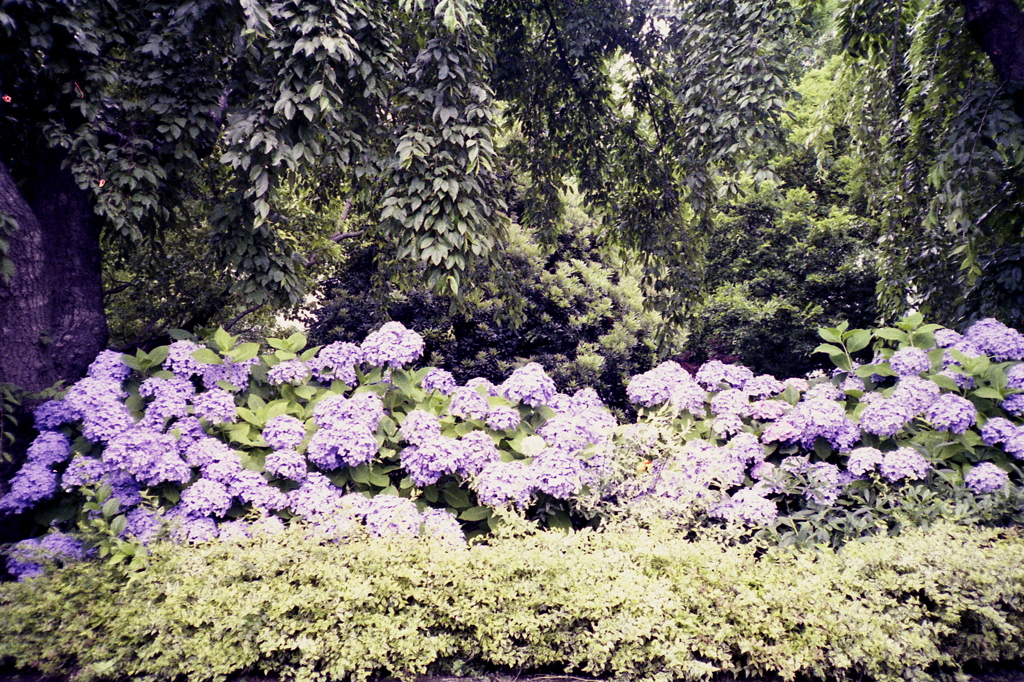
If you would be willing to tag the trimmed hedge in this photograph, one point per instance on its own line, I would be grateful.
(630, 605)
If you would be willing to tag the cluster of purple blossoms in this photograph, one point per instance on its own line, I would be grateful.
(986, 478)
(885, 416)
(99, 403)
(998, 430)
(1014, 404)
(910, 361)
(750, 507)
(559, 474)
(393, 345)
(28, 557)
(109, 365)
(904, 463)
(851, 383)
(440, 380)
(480, 451)
(714, 373)
(769, 410)
(387, 515)
(813, 419)
(317, 496)
(746, 448)
(952, 413)
(171, 398)
(503, 418)
(49, 448)
(568, 434)
(284, 432)
(918, 394)
(205, 498)
(337, 360)
(688, 396)
(764, 386)
(945, 338)
(54, 413)
(33, 483)
(728, 424)
(149, 456)
(216, 406)
(442, 526)
(655, 386)
(289, 372)
(997, 340)
(824, 390)
(188, 529)
(364, 408)
(252, 488)
(143, 524)
(180, 361)
(500, 483)
(824, 483)
(342, 443)
(468, 403)
(432, 458)
(731, 401)
(234, 373)
(420, 426)
(286, 464)
(862, 460)
(529, 384)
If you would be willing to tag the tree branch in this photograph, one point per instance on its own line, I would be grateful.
(238, 319)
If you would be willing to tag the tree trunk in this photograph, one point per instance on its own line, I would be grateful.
(52, 322)
(998, 27)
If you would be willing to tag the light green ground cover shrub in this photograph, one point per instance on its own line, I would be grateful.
(629, 605)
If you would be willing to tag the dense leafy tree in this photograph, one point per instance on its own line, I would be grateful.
(583, 315)
(120, 119)
(931, 94)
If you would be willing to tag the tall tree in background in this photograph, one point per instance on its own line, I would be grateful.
(116, 115)
(930, 94)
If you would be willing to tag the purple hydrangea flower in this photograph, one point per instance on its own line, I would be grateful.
(28, 557)
(529, 384)
(286, 464)
(83, 470)
(762, 470)
(746, 448)
(289, 372)
(863, 460)
(347, 443)
(234, 373)
(727, 424)
(104, 416)
(170, 400)
(824, 483)
(188, 431)
(480, 451)
(952, 413)
(963, 381)
(559, 474)
(188, 529)
(49, 448)
(824, 391)
(433, 458)
(503, 418)
(798, 384)
(316, 496)
(205, 498)
(419, 427)
(143, 524)
(750, 507)
(1014, 404)
(251, 488)
(853, 383)
(216, 406)
(53, 413)
(731, 401)
(916, 393)
(904, 463)
(440, 380)
(811, 419)
(337, 361)
(206, 451)
(688, 396)
(944, 338)
(443, 527)
(769, 410)
(180, 361)
(998, 430)
(284, 432)
(910, 361)
(363, 408)
(150, 457)
(109, 365)
(585, 400)
(986, 478)
(476, 383)
(33, 483)
(392, 344)
(885, 417)
(500, 483)
(997, 340)
(392, 515)
(467, 403)
(763, 386)
(656, 385)
(567, 434)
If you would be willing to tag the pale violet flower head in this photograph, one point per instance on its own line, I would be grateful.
(904, 463)
(885, 416)
(205, 498)
(109, 365)
(986, 477)
(468, 403)
(337, 360)
(420, 426)
(998, 430)
(33, 483)
(480, 451)
(289, 372)
(216, 406)
(952, 413)
(440, 380)
(151, 457)
(944, 338)
(559, 474)
(236, 374)
(529, 384)
(180, 361)
(28, 557)
(503, 418)
(748, 506)
(655, 386)
(731, 401)
(49, 448)
(284, 432)
(392, 345)
(54, 413)
(442, 526)
(1014, 404)
(813, 419)
(714, 373)
(343, 443)
(862, 460)
(764, 386)
(910, 361)
(432, 458)
(364, 408)
(824, 483)
(501, 483)
(916, 393)
(387, 515)
(997, 340)
(286, 464)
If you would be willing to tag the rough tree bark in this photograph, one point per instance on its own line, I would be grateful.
(52, 322)
(998, 27)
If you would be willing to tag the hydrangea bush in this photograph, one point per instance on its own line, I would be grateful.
(916, 423)
(199, 440)
(215, 434)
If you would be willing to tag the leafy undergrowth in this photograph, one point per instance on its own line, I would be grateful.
(644, 604)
